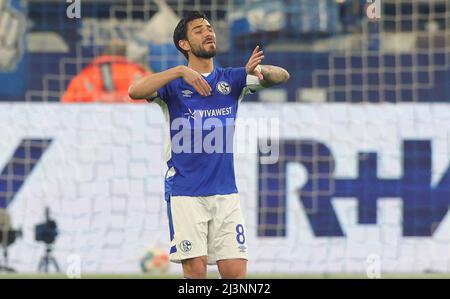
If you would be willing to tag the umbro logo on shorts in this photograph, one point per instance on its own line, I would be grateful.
(186, 246)
(242, 248)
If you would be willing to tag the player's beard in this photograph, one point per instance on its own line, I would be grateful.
(201, 52)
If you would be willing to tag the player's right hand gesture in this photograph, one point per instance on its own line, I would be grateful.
(197, 81)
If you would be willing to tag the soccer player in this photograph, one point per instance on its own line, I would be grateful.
(203, 206)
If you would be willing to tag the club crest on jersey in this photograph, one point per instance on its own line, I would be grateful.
(223, 87)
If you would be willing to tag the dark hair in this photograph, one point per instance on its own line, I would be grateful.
(180, 31)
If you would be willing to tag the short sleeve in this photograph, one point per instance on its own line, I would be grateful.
(252, 83)
(239, 76)
(247, 84)
(163, 92)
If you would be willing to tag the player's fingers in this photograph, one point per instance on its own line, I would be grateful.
(198, 88)
(254, 64)
(201, 85)
(204, 84)
(256, 59)
(204, 89)
(197, 84)
(256, 55)
(255, 50)
(209, 89)
(251, 67)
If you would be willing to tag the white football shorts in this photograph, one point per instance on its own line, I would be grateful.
(211, 226)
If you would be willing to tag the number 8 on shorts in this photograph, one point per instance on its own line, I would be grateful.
(240, 237)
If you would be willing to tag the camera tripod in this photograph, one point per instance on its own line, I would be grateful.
(47, 260)
(4, 267)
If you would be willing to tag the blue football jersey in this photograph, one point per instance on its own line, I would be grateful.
(200, 150)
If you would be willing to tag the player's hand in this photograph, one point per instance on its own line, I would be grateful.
(197, 81)
(252, 65)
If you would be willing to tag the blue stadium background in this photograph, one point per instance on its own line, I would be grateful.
(300, 26)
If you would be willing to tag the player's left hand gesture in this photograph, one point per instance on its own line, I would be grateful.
(252, 65)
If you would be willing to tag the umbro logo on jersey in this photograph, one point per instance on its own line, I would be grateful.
(187, 93)
(223, 87)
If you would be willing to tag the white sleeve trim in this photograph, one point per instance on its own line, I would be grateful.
(251, 86)
(252, 82)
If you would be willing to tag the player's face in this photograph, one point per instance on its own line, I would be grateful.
(201, 38)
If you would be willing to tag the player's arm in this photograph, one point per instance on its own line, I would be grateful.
(273, 75)
(268, 75)
(147, 87)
